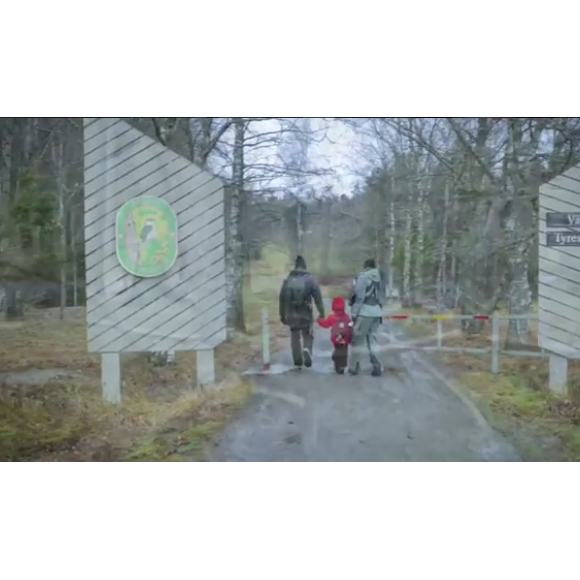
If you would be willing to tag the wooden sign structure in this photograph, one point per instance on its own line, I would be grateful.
(559, 281)
(155, 251)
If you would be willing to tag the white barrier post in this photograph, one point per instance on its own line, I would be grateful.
(266, 340)
(558, 374)
(206, 372)
(439, 333)
(111, 377)
(495, 346)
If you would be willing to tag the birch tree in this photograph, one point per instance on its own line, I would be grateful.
(235, 246)
(57, 148)
(476, 199)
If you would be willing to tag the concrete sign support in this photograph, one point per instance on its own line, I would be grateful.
(559, 284)
(155, 251)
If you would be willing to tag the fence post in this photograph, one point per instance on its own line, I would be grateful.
(495, 346)
(206, 373)
(558, 374)
(111, 377)
(266, 340)
(439, 334)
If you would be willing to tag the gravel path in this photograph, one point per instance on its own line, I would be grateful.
(411, 414)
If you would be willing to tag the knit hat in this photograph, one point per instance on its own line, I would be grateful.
(301, 263)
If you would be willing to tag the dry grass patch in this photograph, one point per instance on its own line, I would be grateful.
(62, 417)
(52, 345)
(47, 344)
(517, 401)
(190, 424)
(542, 427)
(52, 408)
(533, 371)
(69, 421)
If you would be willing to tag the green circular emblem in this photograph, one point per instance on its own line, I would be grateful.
(147, 237)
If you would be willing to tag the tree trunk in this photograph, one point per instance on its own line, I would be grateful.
(58, 164)
(235, 254)
(454, 270)
(523, 220)
(481, 239)
(407, 282)
(325, 236)
(300, 227)
(420, 251)
(442, 289)
(74, 259)
(392, 249)
(520, 294)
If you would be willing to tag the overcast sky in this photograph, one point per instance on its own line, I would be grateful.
(332, 153)
(336, 153)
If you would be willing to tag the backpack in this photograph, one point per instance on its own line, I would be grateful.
(342, 330)
(373, 295)
(298, 297)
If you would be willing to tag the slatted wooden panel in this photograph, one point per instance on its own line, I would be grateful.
(559, 302)
(184, 310)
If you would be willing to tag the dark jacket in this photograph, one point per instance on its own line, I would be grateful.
(300, 316)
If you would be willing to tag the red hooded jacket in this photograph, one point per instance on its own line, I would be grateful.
(338, 316)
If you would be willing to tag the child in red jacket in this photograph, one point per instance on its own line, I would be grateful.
(341, 326)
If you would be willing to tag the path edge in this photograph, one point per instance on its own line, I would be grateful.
(454, 387)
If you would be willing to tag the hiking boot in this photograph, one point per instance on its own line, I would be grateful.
(340, 371)
(377, 368)
(354, 372)
(307, 359)
(377, 371)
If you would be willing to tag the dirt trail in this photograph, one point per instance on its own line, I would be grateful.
(410, 414)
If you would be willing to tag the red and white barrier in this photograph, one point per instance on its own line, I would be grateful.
(266, 347)
(429, 317)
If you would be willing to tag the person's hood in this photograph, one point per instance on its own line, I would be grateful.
(372, 274)
(338, 305)
(299, 272)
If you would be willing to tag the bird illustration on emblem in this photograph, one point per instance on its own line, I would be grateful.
(149, 232)
(147, 243)
(132, 241)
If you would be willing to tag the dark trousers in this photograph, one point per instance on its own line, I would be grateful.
(340, 358)
(302, 338)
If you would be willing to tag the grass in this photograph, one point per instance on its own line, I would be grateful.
(542, 427)
(69, 421)
(64, 418)
(51, 408)
(517, 401)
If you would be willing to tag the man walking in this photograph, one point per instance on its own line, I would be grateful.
(296, 311)
(367, 314)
